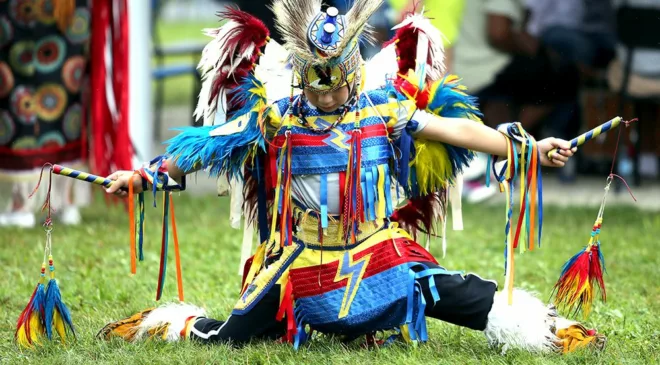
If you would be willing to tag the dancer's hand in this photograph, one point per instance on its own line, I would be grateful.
(120, 185)
(560, 157)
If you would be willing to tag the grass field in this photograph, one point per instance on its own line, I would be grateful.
(92, 263)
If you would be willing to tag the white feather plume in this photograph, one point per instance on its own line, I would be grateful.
(292, 17)
(174, 314)
(526, 324)
(214, 55)
(274, 73)
(381, 68)
(220, 56)
(357, 18)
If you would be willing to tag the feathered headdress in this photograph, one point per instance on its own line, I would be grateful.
(324, 46)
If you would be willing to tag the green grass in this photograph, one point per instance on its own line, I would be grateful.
(92, 263)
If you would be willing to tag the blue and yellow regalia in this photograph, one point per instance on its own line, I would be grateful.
(338, 198)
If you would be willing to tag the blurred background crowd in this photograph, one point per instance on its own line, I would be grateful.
(559, 67)
(556, 66)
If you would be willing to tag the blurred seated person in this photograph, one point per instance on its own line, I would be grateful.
(644, 87)
(581, 32)
(511, 72)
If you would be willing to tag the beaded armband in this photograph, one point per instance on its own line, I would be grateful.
(156, 177)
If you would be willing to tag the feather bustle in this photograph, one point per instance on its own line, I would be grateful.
(419, 214)
(406, 39)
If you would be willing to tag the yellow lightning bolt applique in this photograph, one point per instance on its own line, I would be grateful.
(353, 271)
(340, 140)
(318, 122)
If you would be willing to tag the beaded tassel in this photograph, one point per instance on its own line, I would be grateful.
(574, 291)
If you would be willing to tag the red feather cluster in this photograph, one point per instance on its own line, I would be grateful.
(406, 45)
(407, 88)
(405, 41)
(250, 32)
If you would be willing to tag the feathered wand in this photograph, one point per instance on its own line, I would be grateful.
(45, 310)
(575, 289)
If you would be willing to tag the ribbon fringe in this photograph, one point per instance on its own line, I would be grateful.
(525, 163)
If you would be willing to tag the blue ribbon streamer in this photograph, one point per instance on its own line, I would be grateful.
(388, 192)
(369, 207)
(141, 224)
(324, 201)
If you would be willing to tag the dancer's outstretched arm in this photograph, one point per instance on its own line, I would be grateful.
(478, 137)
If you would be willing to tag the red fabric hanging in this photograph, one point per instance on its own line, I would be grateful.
(111, 143)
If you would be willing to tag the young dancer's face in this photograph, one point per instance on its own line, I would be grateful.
(328, 102)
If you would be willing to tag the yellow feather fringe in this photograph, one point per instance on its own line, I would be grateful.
(28, 339)
(59, 325)
(432, 166)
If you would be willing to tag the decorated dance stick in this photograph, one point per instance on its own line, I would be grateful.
(583, 273)
(580, 140)
(45, 314)
(168, 211)
(80, 175)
